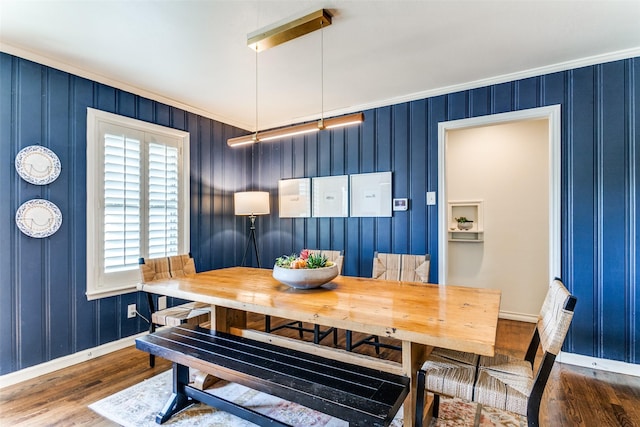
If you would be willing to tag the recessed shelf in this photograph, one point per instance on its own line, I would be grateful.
(473, 211)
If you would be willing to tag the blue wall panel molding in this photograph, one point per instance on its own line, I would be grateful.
(44, 313)
(43, 310)
(600, 118)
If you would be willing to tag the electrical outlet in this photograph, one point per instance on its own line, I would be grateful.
(131, 311)
(162, 302)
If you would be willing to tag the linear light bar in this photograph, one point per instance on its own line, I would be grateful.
(242, 140)
(266, 38)
(288, 131)
(336, 122)
(303, 128)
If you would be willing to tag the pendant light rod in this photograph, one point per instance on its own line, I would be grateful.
(321, 75)
(255, 137)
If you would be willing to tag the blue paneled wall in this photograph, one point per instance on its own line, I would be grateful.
(44, 313)
(600, 163)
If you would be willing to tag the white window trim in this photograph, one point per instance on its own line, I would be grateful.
(95, 200)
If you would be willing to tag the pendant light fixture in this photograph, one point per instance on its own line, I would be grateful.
(266, 38)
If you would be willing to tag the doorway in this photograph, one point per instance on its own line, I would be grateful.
(503, 172)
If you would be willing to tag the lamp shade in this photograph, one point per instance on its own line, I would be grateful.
(251, 203)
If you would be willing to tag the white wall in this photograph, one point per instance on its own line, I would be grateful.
(506, 166)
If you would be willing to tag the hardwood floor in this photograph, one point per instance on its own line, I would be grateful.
(574, 396)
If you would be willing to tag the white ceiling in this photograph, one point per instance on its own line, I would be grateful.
(193, 53)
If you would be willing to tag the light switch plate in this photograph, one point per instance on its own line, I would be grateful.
(431, 198)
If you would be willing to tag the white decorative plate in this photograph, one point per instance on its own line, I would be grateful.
(38, 218)
(38, 165)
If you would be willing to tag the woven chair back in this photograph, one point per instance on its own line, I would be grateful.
(555, 318)
(153, 269)
(181, 265)
(410, 268)
(166, 267)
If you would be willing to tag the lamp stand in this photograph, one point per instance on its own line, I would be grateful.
(251, 238)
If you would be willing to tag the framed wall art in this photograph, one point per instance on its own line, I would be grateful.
(331, 196)
(371, 194)
(294, 197)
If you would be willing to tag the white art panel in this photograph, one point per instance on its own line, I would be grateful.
(331, 196)
(371, 194)
(295, 198)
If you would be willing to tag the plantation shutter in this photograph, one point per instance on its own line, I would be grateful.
(163, 200)
(137, 199)
(141, 182)
(122, 197)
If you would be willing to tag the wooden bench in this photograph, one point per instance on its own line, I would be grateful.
(362, 396)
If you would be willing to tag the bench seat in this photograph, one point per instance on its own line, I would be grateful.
(193, 313)
(362, 396)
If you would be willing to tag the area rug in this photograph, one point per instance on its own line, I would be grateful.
(138, 405)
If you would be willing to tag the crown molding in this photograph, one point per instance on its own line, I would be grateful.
(62, 66)
(504, 78)
(533, 72)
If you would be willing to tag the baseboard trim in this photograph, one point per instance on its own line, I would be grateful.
(16, 377)
(608, 365)
(66, 361)
(521, 317)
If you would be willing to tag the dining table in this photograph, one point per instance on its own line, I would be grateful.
(420, 315)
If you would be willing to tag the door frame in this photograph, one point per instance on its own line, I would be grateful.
(553, 115)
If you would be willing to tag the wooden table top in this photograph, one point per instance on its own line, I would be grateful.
(455, 317)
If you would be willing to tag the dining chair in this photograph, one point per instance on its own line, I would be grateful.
(337, 257)
(501, 381)
(182, 265)
(153, 269)
(404, 267)
(165, 268)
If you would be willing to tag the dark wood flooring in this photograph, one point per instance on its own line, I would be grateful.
(574, 396)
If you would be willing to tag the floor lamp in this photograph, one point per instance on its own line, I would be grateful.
(251, 203)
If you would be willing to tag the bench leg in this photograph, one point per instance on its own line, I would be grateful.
(234, 408)
(178, 400)
(152, 326)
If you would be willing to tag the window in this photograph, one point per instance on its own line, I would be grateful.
(137, 199)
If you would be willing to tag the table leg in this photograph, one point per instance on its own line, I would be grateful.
(413, 356)
(223, 319)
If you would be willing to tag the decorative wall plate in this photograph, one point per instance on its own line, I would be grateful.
(38, 218)
(38, 165)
